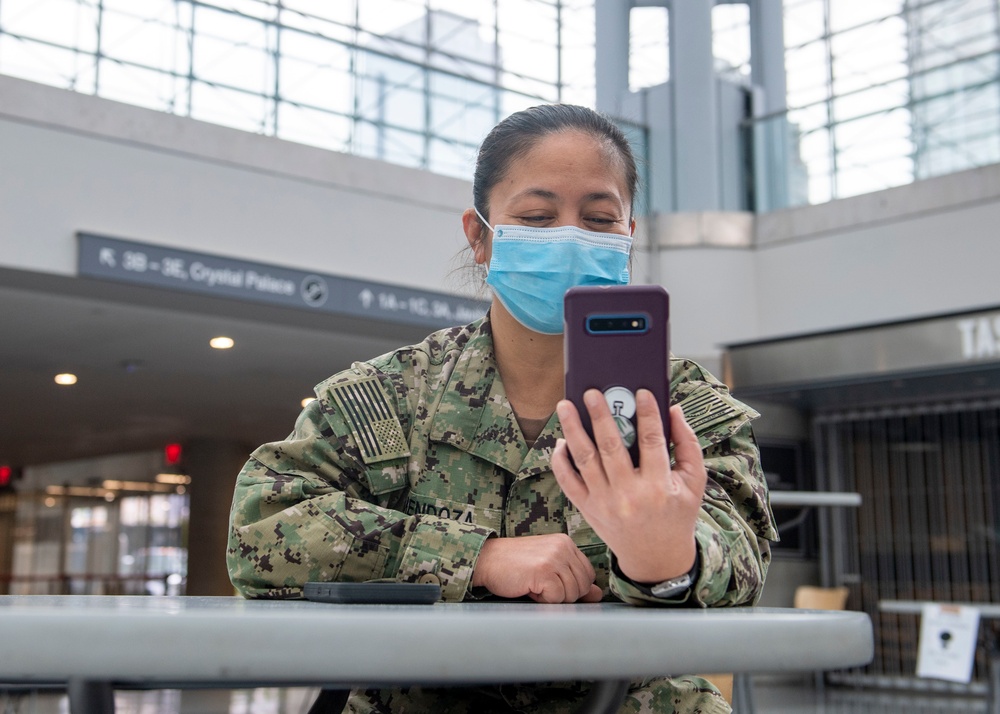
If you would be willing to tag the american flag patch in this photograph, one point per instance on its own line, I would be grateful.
(373, 421)
(706, 408)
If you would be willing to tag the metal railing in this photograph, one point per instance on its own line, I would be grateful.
(423, 93)
(880, 96)
(907, 92)
(825, 160)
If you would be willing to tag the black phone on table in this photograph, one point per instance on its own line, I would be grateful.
(375, 593)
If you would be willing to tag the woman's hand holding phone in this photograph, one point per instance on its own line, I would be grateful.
(646, 514)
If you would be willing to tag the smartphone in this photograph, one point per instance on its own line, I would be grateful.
(617, 340)
(373, 593)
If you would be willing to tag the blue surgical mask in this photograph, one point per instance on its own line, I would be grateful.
(531, 269)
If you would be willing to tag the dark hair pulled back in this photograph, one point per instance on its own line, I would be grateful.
(516, 135)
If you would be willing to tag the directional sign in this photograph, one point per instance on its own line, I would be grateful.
(175, 269)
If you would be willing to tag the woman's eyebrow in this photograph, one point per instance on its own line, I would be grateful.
(552, 195)
(538, 192)
(603, 196)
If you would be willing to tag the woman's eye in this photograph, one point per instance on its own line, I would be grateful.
(536, 219)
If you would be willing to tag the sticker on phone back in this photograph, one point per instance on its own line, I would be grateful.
(621, 402)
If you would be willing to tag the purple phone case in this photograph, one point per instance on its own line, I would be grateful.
(630, 360)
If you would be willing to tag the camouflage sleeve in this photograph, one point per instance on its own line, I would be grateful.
(320, 506)
(735, 526)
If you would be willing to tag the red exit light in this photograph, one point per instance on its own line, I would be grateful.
(6, 472)
(172, 454)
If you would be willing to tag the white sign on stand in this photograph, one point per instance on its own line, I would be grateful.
(948, 636)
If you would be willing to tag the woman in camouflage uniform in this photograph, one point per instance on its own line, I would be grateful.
(446, 461)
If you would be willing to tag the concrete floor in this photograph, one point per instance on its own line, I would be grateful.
(799, 696)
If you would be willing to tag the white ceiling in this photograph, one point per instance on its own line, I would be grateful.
(147, 375)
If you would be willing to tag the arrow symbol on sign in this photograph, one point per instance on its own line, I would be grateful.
(107, 257)
(366, 296)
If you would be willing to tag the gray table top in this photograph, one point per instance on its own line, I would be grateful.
(156, 640)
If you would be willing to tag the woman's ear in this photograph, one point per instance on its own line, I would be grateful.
(631, 227)
(477, 236)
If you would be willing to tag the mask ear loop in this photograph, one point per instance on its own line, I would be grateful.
(484, 269)
(485, 222)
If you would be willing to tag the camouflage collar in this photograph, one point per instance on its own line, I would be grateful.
(474, 414)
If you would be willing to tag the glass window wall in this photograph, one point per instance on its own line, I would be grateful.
(880, 93)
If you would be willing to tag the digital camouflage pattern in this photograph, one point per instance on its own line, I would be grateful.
(677, 695)
(406, 464)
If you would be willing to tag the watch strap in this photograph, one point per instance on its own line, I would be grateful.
(674, 587)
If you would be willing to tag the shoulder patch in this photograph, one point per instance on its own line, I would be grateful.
(706, 408)
(372, 419)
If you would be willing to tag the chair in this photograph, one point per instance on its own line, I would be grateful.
(810, 597)
(807, 597)
(724, 683)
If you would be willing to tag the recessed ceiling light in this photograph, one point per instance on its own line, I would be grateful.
(305, 402)
(66, 378)
(221, 343)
